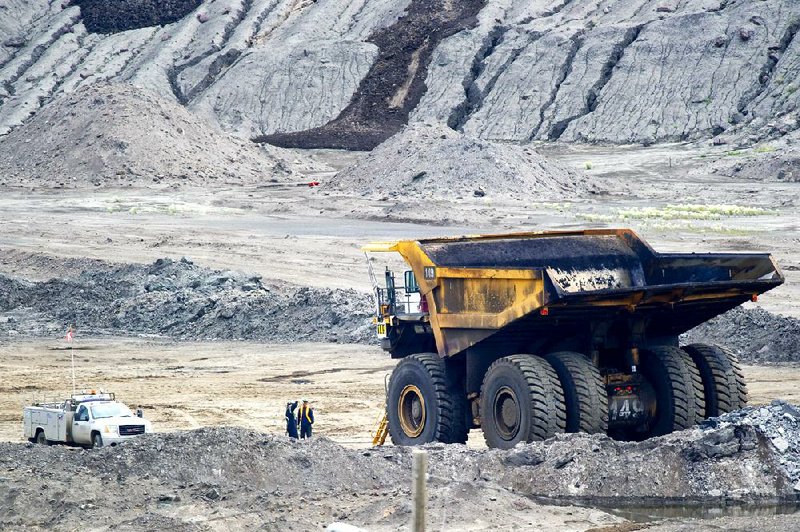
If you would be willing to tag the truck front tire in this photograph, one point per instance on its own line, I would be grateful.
(97, 440)
(426, 402)
(521, 401)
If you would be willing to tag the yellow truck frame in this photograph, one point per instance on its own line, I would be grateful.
(582, 325)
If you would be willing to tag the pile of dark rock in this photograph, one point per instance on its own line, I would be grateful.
(112, 16)
(779, 422)
(181, 300)
(757, 336)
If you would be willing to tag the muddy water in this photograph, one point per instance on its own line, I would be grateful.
(646, 514)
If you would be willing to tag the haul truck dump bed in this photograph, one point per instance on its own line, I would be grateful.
(531, 334)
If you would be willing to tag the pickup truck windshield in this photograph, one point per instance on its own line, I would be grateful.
(110, 410)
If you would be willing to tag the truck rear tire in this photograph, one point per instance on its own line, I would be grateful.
(585, 394)
(41, 439)
(724, 386)
(678, 389)
(521, 401)
(426, 402)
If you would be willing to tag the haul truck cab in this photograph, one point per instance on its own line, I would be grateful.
(531, 334)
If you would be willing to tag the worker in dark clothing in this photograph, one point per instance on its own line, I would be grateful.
(291, 422)
(305, 419)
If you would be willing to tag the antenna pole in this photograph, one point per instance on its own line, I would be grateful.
(375, 287)
(68, 338)
(72, 356)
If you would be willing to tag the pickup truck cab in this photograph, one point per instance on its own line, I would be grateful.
(90, 419)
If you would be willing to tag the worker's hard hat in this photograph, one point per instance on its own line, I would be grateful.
(304, 400)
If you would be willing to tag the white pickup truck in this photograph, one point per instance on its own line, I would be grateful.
(87, 419)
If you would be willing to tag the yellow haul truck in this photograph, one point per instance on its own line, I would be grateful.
(531, 334)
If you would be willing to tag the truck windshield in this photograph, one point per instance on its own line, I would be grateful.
(110, 410)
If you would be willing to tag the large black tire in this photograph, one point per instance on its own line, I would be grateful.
(426, 402)
(97, 440)
(585, 394)
(521, 401)
(678, 389)
(724, 386)
(40, 438)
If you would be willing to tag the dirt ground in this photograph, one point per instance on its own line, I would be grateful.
(189, 385)
(312, 237)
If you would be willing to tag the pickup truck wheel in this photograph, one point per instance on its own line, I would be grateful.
(521, 401)
(97, 440)
(724, 386)
(41, 439)
(585, 394)
(678, 389)
(426, 402)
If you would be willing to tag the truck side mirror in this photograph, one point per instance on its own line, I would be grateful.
(139, 412)
(411, 282)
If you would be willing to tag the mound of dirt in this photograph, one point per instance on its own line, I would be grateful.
(111, 16)
(240, 479)
(757, 336)
(764, 163)
(426, 160)
(715, 461)
(179, 299)
(117, 134)
(261, 479)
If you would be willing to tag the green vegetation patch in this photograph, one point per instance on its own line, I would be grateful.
(678, 212)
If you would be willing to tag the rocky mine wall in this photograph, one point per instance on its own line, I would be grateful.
(311, 73)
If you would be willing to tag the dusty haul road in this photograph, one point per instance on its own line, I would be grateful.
(189, 385)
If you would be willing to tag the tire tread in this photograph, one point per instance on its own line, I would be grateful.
(590, 412)
(451, 408)
(546, 395)
(725, 389)
(688, 401)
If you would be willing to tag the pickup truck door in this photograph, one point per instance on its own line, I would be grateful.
(81, 426)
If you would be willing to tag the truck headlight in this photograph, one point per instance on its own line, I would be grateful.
(111, 429)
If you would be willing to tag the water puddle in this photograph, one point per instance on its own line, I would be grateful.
(651, 510)
(646, 514)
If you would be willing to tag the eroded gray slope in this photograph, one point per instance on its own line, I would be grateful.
(617, 71)
(16, 16)
(614, 71)
(285, 65)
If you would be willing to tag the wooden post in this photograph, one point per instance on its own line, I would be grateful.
(419, 468)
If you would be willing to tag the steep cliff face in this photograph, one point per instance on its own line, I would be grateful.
(253, 66)
(395, 83)
(350, 73)
(618, 71)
